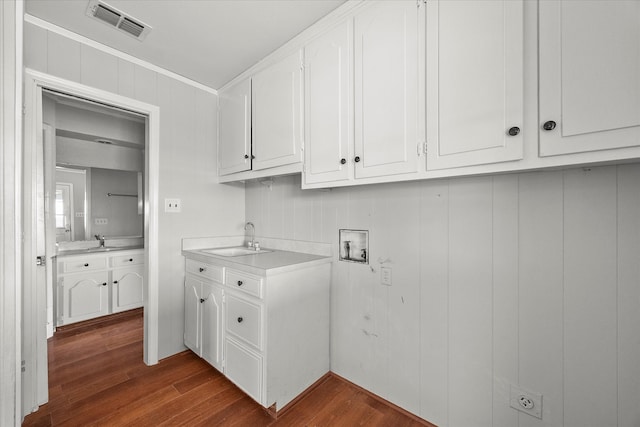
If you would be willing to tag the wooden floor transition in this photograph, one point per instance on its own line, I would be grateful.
(97, 378)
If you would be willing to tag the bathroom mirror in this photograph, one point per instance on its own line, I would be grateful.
(99, 169)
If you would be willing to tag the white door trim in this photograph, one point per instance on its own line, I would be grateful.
(35, 80)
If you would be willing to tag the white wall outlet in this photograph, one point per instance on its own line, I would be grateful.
(526, 401)
(385, 275)
(79, 214)
(172, 205)
(100, 221)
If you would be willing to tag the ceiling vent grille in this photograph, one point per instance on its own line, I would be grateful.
(115, 18)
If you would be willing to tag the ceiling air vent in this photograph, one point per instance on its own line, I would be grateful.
(115, 18)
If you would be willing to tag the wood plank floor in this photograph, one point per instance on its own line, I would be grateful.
(97, 378)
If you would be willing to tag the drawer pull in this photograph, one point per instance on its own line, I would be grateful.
(240, 319)
(239, 282)
(202, 269)
(86, 265)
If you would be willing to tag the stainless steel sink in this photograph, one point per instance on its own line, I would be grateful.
(235, 251)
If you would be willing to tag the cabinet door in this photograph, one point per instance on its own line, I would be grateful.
(192, 315)
(212, 325)
(84, 296)
(475, 102)
(277, 114)
(389, 88)
(126, 288)
(589, 75)
(328, 124)
(234, 129)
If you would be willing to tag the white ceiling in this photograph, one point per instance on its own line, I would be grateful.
(209, 41)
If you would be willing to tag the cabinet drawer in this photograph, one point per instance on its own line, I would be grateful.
(244, 368)
(244, 319)
(74, 265)
(244, 282)
(213, 272)
(126, 260)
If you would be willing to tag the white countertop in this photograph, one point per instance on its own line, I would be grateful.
(263, 263)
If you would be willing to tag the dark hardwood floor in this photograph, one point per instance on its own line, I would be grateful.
(97, 378)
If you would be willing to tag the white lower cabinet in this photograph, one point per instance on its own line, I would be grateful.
(274, 328)
(98, 284)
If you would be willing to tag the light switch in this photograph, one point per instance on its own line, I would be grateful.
(172, 205)
(385, 275)
(100, 221)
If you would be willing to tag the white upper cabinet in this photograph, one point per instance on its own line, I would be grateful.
(474, 84)
(328, 109)
(234, 128)
(589, 75)
(389, 89)
(277, 113)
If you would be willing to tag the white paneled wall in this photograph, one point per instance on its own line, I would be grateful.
(528, 279)
(187, 156)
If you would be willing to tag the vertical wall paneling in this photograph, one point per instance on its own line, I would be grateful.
(35, 47)
(434, 312)
(146, 86)
(98, 69)
(505, 296)
(63, 57)
(470, 302)
(126, 79)
(590, 297)
(540, 331)
(527, 279)
(628, 295)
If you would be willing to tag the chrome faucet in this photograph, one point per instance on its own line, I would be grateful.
(253, 233)
(101, 238)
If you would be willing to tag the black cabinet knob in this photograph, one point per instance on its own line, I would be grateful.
(240, 319)
(239, 282)
(104, 284)
(357, 159)
(514, 131)
(115, 282)
(343, 161)
(130, 259)
(202, 269)
(246, 156)
(550, 125)
(86, 265)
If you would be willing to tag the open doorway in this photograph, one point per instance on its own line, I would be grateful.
(38, 267)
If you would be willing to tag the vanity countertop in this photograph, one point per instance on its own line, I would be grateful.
(97, 250)
(264, 263)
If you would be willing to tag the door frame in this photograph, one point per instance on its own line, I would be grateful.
(34, 82)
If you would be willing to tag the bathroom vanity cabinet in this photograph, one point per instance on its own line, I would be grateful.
(266, 329)
(91, 285)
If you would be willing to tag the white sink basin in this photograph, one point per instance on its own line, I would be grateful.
(237, 251)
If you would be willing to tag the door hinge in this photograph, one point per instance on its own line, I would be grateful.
(41, 260)
(421, 148)
(420, 3)
(23, 365)
(24, 110)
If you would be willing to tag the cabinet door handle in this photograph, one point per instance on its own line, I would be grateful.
(240, 319)
(239, 282)
(86, 265)
(514, 131)
(130, 259)
(357, 159)
(104, 284)
(202, 269)
(246, 156)
(549, 125)
(115, 282)
(343, 161)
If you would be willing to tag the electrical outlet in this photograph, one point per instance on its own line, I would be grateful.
(79, 214)
(385, 275)
(526, 401)
(172, 205)
(100, 221)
